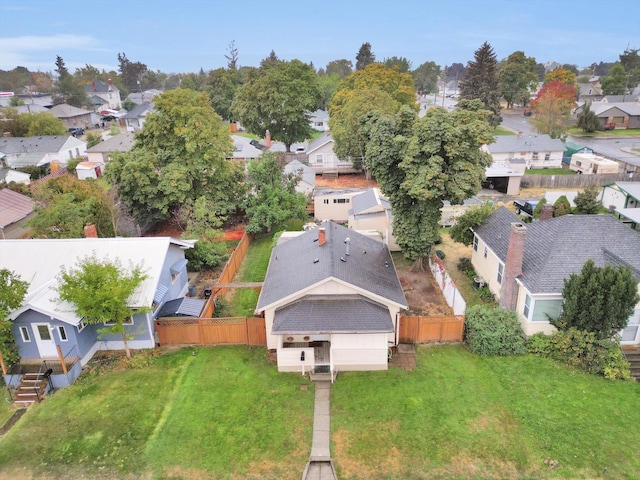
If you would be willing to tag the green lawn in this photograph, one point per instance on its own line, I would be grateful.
(577, 132)
(458, 415)
(549, 171)
(221, 412)
(503, 131)
(6, 407)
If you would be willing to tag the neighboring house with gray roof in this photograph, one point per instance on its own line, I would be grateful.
(72, 116)
(15, 211)
(319, 120)
(590, 91)
(134, 120)
(17, 152)
(322, 158)
(244, 149)
(525, 266)
(538, 151)
(333, 203)
(307, 182)
(331, 301)
(123, 142)
(8, 175)
(147, 96)
(371, 211)
(619, 114)
(105, 91)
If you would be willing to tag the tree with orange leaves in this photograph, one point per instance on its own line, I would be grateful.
(552, 108)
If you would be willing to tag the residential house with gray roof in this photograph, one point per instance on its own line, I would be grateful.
(46, 150)
(72, 116)
(104, 95)
(134, 120)
(538, 151)
(123, 142)
(323, 159)
(624, 199)
(331, 301)
(619, 115)
(525, 265)
(307, 177)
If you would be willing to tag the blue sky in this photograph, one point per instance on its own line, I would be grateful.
(185, 35)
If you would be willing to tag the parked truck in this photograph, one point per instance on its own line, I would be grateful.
(525, 206)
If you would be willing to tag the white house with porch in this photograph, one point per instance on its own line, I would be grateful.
(331, 301)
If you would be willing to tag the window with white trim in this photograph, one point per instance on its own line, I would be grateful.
(340, 200)
(547, 157)
(24, 332)
(319, 157)
(475, 243)
(326, 201)
(62, 333)
(527, 306)
(534, 155)
(126, 322)
(80, 326)
(545, 309)
(500, 273)
(485, 252)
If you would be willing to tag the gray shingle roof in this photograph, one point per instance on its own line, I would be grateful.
(557, 247)
(43, 144)
(123, 142)
(632, 188)
(143, 108)
(319, 141)
(182, 307)
(67, 111)
(315, 314)
(300, 263)
(100, 87)
(305, 171)
(526, 143)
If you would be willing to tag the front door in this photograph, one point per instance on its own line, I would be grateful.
(44, 340)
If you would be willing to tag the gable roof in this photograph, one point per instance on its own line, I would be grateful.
(629, 108)
(39, 262)
(123, 142)
(141, 110)
(525, 143)
(557, 247)
(319, 141)
(370, 202)
(13, 207)
(305, 171)
(243, 148)
(630, 188)
(67, 111)
(42, 144)
(301, 262)
(100, 87)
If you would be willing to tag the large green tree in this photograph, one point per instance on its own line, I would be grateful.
(179, 156)
(30, 124)
(12, 293)
(481, 82)
(402, 64)
(100, 291)
(342, 67)
(376, 88)
(616, 82)
(586, 201)
(221, 85)
(132, 73)
(517, 78)
(280, 98)
(67, 88)
(462, 230)
(273, 199)
(64, 205)
(425, 77)
(364, 56)
(205, 226)
(598, 300)
(420, 162)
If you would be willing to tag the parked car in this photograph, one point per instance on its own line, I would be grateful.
(525, 207)
(76, 131)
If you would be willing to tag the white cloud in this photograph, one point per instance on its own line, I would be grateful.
(53, 42)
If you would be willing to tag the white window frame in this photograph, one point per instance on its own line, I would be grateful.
(325, 201)
(500, 273)
(62, 333)
(24, 333)
(174, 277)
(486, 251)
(130, 322)
(526, 309)
(475, 243)
(319, 157)
(81, 326)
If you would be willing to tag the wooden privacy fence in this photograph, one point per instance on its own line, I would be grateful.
(571, 181)
(233, 263)
(211, 331)
(440, 328)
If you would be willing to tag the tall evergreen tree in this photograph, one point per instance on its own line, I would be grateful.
(588, 121)
(481, 81)
(68, 89)
(365, 56)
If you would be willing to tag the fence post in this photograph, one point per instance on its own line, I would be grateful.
(200, 331)
(61, 357)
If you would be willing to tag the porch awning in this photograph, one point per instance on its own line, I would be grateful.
(316, 314)
(177, 267)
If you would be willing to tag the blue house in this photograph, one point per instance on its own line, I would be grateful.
(48, 333)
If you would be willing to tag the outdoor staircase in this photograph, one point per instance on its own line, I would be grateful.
(633, 357)
(31, 390)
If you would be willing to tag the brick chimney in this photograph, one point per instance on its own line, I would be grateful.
(322, 239)
(90, 231)
(547, 211)
(267, 139)
(513, 266)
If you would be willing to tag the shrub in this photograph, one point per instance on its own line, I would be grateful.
(485, 294)
(493, 331)
(582, 350)
(561, 207)
(464, 264)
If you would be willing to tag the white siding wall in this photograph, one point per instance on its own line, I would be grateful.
(612, 196)
(338, 212)
(359, 352)
(289, 359)
(486, 267)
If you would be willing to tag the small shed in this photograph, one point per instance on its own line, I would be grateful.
(87, 170)
(182, 307)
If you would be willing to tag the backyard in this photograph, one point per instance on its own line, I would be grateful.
(225, 412)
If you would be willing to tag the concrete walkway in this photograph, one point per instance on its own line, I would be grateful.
(320, 466)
